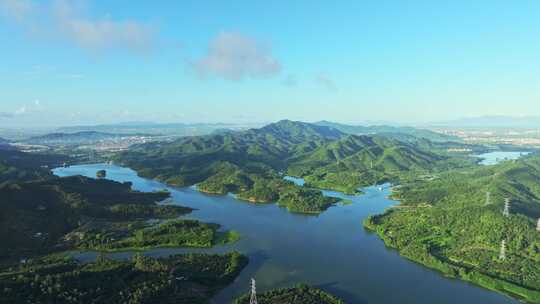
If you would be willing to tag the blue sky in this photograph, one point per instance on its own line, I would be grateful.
(83, 62)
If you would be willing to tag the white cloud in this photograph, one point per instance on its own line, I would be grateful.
(234, 56)
(66, 20)
(101, 33)
(35, 107)
(16, 9)
(325, 80)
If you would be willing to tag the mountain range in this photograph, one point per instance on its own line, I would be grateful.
(312, 151)
(400, 133)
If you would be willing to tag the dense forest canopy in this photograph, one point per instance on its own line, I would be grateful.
(190, 278)
(20, 166)
(36, 214)
(454, 222)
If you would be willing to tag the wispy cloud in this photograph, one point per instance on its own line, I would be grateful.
(234, 56)
(34, 107)
(67, 20)
(325, 80)
(101, 33)
(18, 10)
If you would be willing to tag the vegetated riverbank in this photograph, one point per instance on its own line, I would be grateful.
(139, 236)
(188, 278)
(450, 224)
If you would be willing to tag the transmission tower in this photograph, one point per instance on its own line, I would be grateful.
(488, 198)
(253, 298)
(502, 255)
(506, 211)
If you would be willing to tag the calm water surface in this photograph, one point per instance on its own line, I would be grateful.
(493, 158)
(331, 251)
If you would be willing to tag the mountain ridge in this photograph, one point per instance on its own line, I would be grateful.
(400, 133)
(292, 147)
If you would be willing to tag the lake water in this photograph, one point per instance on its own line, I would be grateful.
(331, 251)
(493, 158)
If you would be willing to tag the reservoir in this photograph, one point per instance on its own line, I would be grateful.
(493, 158)
(331, 251)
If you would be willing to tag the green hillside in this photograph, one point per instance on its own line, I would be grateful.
(249, 163)
(35, 215)
(20, 166)
(448, 223)
(188, 278)
(356, 161)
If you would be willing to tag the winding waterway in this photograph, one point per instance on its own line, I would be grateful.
(331, 251)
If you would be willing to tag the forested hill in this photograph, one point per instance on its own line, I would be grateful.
(36, 214)
(451, 223)
(20, 166)
(192, 158)
(280, 146)
(298, 148)
(399, 133)
(516, 180)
